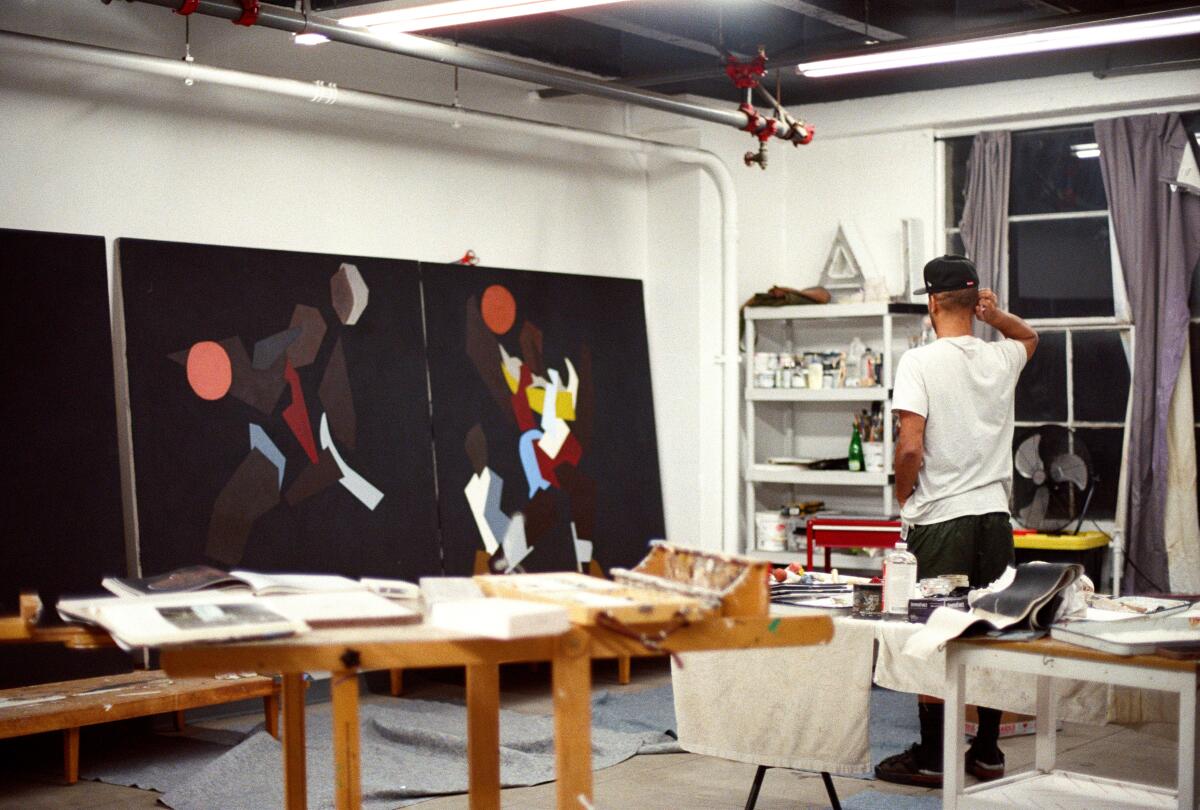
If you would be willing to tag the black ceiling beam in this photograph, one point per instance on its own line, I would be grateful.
(836, 19)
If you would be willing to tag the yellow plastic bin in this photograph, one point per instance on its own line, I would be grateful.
(1085, 548)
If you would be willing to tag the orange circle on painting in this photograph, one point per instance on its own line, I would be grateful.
(208, 370)
(498, 308)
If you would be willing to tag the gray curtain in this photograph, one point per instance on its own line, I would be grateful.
(1157, 228)
(985, 215)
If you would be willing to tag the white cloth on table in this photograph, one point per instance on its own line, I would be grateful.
(807, 708)
(804, 708)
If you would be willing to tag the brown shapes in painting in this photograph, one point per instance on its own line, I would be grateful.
(314, 478)
(531, 348)
(250, 493)
(582, 491)
(485, 356)
(541, 513)
(268, 350)
(477, 449)
(312, 331)
(208, 370)
(337, 400)
(498, 308)
(258, 388)
(349, 293)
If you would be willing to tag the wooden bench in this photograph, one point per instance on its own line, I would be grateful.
(68, 705)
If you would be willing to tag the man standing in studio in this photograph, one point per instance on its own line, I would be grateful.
(954, 399)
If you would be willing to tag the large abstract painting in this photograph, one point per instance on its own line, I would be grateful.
(61, 512)
(543, 419)
(280, 413)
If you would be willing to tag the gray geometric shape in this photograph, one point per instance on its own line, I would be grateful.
(260, 441)
(267, 350)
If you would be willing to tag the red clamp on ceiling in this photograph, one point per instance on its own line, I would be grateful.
(794, 133)
(188, 7)
(757, 125)
(249, 16)
(745, 75)
(747, 109)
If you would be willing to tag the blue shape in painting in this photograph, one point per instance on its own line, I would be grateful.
(533, 473)
(260, 441)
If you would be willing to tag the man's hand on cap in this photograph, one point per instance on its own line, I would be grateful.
(987, 308)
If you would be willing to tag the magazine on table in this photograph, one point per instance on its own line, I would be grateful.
(206, 578)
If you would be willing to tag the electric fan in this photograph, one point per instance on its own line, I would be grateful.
(1053, 483)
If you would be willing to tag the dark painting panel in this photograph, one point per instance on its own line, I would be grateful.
(543, 419)
(61, 514)
(279, 411)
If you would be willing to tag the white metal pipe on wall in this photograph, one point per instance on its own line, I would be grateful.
(319, 92)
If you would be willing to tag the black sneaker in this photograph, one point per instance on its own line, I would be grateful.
(985, 765)
(910, 768)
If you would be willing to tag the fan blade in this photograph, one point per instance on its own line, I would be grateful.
(1033, 515)
(1028, 460)
(1071, 468)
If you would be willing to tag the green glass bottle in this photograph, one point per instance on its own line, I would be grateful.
(856, 463)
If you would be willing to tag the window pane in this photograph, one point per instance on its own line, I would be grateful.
(1047, 176)
(1042, 389)
(1104, 447)
(1100, 375)
(957, 152)
(1060, 268)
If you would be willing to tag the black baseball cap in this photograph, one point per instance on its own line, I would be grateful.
(948, 273)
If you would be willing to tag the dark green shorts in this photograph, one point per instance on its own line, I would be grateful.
(980, 546)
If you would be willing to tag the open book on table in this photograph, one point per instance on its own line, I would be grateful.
(222, 615)
(1027, 601)
(205, 577)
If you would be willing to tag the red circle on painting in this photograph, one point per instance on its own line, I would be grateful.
(208, 370)
(498, 308)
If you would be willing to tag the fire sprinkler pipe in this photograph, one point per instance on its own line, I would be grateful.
(319, 92)
(418, 47)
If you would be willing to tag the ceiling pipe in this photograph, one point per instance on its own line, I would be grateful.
(322, 93)
(295, 22)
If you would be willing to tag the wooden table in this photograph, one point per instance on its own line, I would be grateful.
(345, 653)
(1046, 786)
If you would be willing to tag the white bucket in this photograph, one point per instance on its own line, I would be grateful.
(770, 531)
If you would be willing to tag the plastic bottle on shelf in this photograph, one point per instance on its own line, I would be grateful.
(855, 461)
(899, 580)
(854, 357)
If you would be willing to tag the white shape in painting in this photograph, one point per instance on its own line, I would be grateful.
(554, 430)
(515, 547)
(354, 483)
(583, 549)
(477, 491)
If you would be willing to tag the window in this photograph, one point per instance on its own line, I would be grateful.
(1061, 277)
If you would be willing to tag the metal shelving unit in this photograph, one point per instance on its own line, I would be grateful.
(805, 323)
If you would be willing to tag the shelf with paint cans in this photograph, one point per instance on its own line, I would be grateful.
(831, 362)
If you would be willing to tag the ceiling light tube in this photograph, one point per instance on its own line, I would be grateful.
(460, 12)
(1038, 41)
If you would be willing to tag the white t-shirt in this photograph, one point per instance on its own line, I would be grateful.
(964, 388)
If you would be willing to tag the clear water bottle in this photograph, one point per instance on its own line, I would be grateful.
(899, 580)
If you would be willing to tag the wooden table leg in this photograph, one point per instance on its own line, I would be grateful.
(271, 715)
(396, 681)
(346, 757)
(572, 685)
(624, 675)
(295, 779)
(483, 736)
(71, 755)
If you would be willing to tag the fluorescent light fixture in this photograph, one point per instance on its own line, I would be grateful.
(309, 38)
(1085, 150)
(1055, 38)
(460, 12)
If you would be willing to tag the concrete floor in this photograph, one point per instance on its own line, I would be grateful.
(30, 778)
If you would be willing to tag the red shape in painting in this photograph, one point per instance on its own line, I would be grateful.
(498, 308)
(209, 371)
(296, 414)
